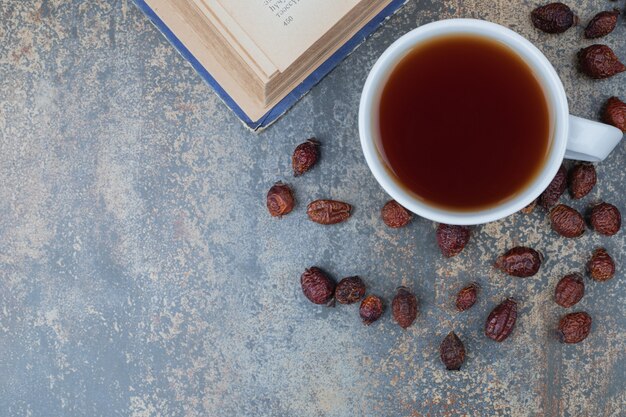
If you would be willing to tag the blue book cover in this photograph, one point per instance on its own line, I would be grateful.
(281, 107)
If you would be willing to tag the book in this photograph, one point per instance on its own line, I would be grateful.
(262, 56)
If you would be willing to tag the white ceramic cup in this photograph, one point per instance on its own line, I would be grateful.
(572, 137)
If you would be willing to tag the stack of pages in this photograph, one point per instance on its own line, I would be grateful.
(261, 56)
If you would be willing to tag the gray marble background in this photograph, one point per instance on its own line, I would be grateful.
(140, 274)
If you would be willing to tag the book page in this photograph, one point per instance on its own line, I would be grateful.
(285, 29)
(236, 37)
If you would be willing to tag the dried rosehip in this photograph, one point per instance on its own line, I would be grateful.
(601, 266)
(574, 327)
(280, 200)
(599, 61)
(530, 208)
(371, 309)
(305, 156)
(452, 239)
(569, 290)
(566, 221)
(394, 215)
(317, 286)
(350, 290)
(615, 113)
(582, 179)
(404, 307)
(606, 219)
(553, 192)
(452, 352)
(519, 262)
(467, 297)
(328, 211)
(553, 18)
(501, 320)
(602, 24)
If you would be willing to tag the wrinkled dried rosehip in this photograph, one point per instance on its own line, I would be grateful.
(520, 262)
(280, 200)
(404, 307)
(602, 24)
(350, 290)
(601, 266)
(305, 156)
(599, 61)
(452, 352)
(582, 179)
(467, 297)
(394, 215)
(569, 290)
(615, 113)
(452, 239)
(553, 18)
(317, 286)
(501, 320)
(553, 192)
(566, 221)
(574, 327)
(606, 219)
(371, 309)
(530, 208)
(328, 211)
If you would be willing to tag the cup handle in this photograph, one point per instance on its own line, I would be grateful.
(590, 141)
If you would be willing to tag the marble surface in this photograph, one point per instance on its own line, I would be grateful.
(140, 274)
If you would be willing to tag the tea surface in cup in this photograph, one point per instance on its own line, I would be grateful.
(464, 123)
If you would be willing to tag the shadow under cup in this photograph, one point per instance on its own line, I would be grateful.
(390, 158)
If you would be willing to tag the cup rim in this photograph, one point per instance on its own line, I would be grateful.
(553, 88)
